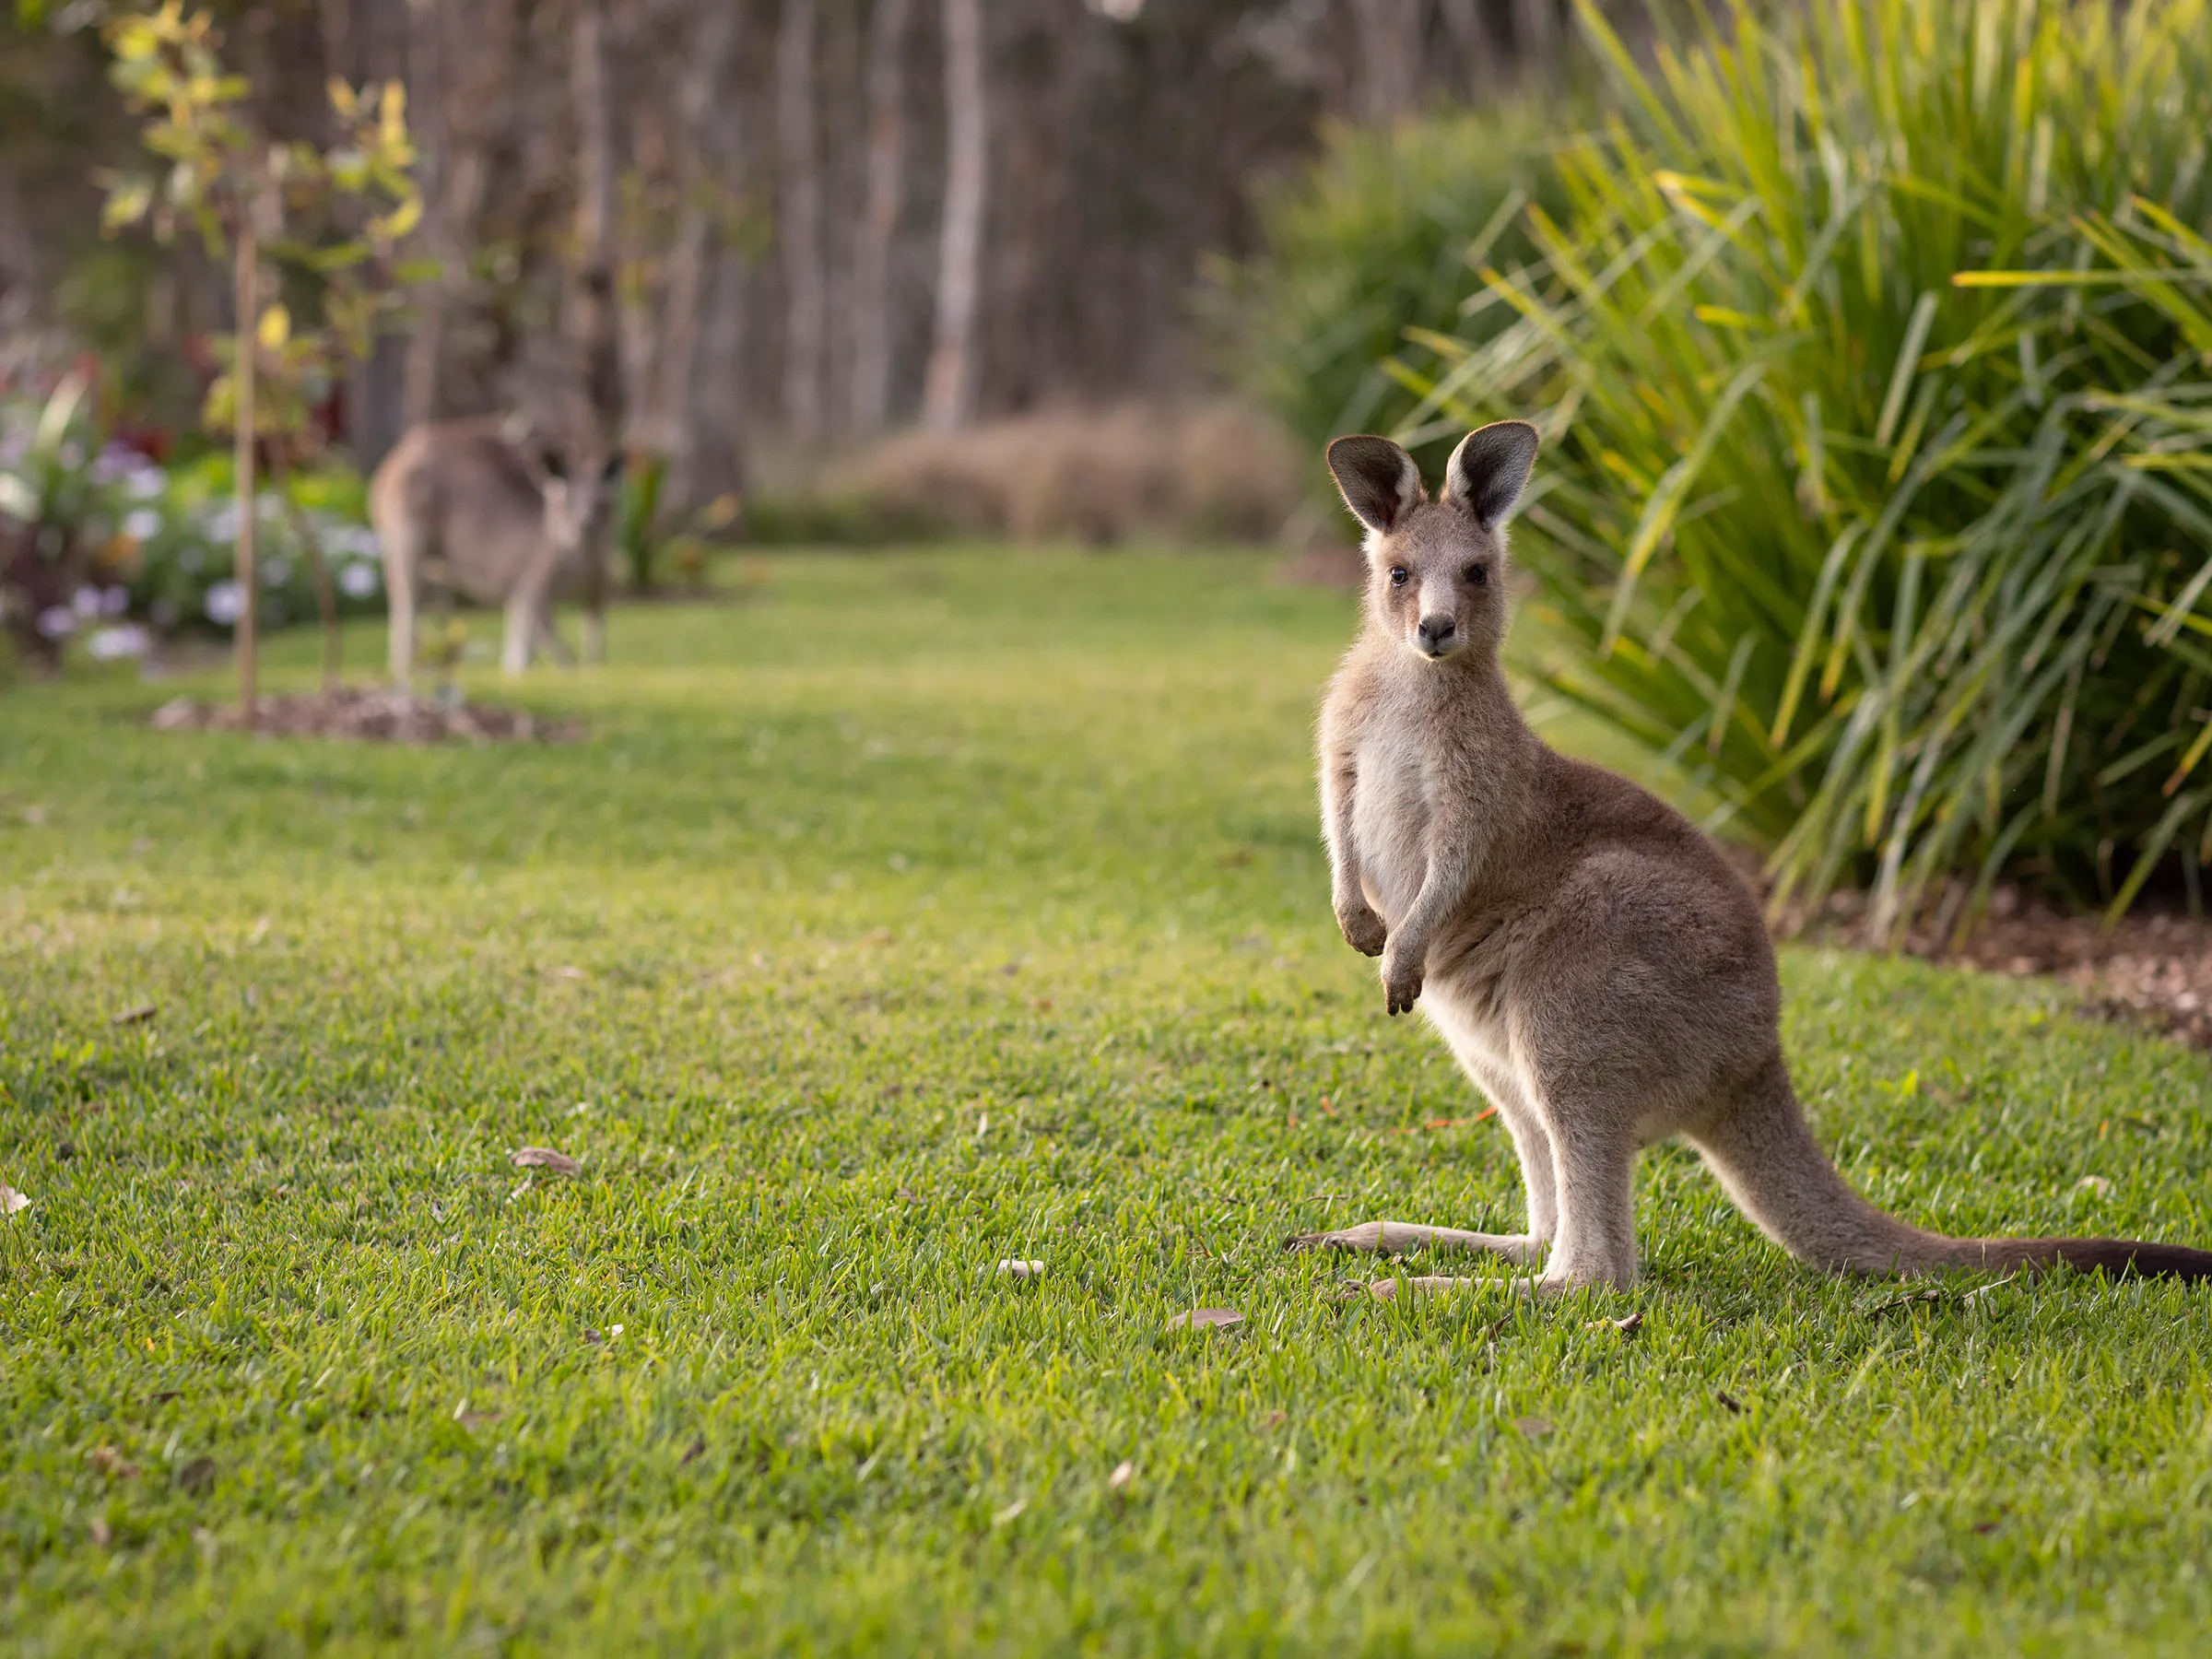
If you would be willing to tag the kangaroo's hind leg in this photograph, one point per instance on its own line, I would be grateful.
(401, 561)
(1531, 1141)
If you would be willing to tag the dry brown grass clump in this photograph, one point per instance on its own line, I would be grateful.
(1212, 472)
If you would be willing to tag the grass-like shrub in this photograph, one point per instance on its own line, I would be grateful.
(1871, 349)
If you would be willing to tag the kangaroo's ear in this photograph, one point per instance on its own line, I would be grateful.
(1380, 482)
(1489, 469)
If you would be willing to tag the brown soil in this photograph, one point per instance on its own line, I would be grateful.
(369, 716)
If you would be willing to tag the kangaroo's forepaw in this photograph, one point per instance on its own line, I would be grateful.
(1401, 990)
(1363, 930)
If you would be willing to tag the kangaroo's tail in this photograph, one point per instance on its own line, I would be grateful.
(1765, 1155)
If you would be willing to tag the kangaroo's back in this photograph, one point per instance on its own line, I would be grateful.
(462, 493)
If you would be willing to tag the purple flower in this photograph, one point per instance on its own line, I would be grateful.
(223, 604)
(112, 643)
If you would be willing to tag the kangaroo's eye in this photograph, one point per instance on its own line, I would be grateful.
(1397, 576)
(1479, 576)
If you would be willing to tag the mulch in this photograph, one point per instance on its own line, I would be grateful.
(363, 715)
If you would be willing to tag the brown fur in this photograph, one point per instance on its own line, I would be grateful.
(500, 515)
(1598, 967)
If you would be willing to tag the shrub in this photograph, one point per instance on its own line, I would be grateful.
(100, 542)
(1874, 483)
(1380, 239)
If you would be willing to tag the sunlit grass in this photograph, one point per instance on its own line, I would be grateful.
(930, 912)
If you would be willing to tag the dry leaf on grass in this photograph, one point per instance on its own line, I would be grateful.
(112, 1464)
(696, 1450)
(2096, 1185)
(11, 1201)
(136, 1016)
(100, 1534)
(1532, 1427)
(545, 1158)
(1123, 1473)
(1200, 1318)
(1736, 1406)
(1015, 1267)
(197, 1476)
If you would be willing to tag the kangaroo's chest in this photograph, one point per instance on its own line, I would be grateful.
(1392, 807)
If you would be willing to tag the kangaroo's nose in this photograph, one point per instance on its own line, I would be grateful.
(1435, 632)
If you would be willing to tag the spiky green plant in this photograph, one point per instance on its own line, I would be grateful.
(1871, 352)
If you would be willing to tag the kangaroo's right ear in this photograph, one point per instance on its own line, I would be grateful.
(1379, 480)
(1489, 469)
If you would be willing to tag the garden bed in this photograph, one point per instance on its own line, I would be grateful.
(379, 715)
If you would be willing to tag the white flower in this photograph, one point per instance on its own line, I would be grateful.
(86, 601)
(142, 523)
(223, 604)
(122, 639)
(275, 572)
(146, 483)
(57, 622)
(357, 578)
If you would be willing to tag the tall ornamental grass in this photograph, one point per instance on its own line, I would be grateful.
(1873, 350)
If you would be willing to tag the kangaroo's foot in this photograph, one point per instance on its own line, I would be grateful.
(1402, 1237)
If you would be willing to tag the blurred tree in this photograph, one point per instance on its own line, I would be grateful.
(240, 190)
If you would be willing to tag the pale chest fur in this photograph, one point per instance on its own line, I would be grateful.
(1393, 805)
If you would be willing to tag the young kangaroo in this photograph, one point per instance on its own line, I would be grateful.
(499, 514)
(1599, 971)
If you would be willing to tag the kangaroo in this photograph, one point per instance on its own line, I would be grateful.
(500, 514)
(1596, 967)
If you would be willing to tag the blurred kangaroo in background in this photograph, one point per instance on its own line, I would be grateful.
(1598, 967)
(502, 514)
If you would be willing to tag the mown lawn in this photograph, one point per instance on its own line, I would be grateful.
(926, 912)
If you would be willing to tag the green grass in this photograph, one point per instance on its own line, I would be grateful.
(931, 911)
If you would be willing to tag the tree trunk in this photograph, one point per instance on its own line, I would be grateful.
(872, 331)
(461, 57)
(948, 390)
(1390, 59)
(800, 217)
(667, 425)
(591, 322)
(242, 573)
(365, 43)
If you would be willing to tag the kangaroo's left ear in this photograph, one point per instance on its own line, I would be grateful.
(1489, 469)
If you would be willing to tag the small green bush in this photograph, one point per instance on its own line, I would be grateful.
(1380, 239)
(1872, 356)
